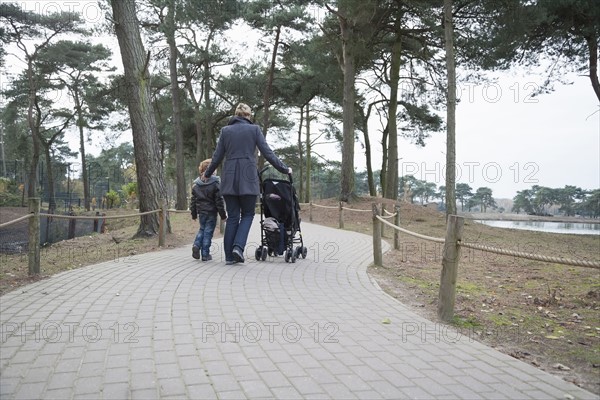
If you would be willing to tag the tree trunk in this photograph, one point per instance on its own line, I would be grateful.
(181, 202)
(592, 43)
(149, 171)
(269, 90)
(365, 129)
(50, 178)
(34, 123)
(209, 134)
(391, 188)
(301, 155)
(308, 190)
(269, 87)
(384, 152)
(84, 171)
(450, 112)
(349, 70)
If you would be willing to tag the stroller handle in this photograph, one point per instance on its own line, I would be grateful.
(262, 171)
(266, 167)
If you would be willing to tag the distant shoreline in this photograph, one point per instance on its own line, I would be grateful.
(525, 217)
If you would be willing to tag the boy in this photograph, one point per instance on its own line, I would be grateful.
(206, 202)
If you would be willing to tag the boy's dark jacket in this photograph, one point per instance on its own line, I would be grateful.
(207, 198)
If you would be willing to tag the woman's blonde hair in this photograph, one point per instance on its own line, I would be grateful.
(204, 165)
(243, 110)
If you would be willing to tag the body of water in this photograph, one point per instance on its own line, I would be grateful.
(575, 228)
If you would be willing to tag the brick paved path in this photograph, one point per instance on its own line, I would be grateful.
(163, 325)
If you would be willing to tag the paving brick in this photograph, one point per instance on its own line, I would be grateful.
(115, 391)
(116, 375)
(302, 331)
(58, 394)
(256, 389)
(286, 392)
(205, 391)
(146, 394)
(171, 387)
(87, 385)
(61, 380)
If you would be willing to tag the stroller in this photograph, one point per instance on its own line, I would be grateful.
(279, 220)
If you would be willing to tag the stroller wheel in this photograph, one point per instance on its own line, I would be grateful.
(297, 251)
(287, 255)
(293, 256)
(258, 254)
(263, 253)
(304, 252)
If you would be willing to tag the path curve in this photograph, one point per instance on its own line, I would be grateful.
(163, 325)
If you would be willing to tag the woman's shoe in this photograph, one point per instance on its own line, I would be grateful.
(238, 255)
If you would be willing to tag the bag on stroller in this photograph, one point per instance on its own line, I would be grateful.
(279, 220)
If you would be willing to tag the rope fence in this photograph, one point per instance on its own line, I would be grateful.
(99, 221)
(62, 216)
(452, 242)
(532, 256)
(415, 234)
(14, 221)
(452, 247)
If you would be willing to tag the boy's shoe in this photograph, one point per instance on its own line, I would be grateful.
(230, 262)
(207, 258)
(196, 252)
(238, 256)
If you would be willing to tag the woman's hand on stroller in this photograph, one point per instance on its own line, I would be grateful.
(289, 170)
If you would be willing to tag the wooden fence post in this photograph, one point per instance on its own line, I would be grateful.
(33, 253)
(162, 223)
(72, 226)
(221, 225)
(341, 215)
(377, 252)
(397, 223)
(450, 260)
(310, 207)
(382, 216)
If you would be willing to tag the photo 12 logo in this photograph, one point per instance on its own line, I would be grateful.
(88, 11)
(471, 171)
(69, 332)
(253, 332)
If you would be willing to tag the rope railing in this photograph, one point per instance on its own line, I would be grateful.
(34, 226)
(89, 217)
(389, 216)
(355, 209)
(531, 256)
(415, 234)
(62, 216)
(14, 221)
(320, 206)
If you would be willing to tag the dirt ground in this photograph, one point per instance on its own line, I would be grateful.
(545, 314)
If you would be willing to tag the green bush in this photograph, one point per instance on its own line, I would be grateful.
(113, 199)
(10, 200)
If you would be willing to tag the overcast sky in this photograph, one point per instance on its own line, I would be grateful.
(508, 141)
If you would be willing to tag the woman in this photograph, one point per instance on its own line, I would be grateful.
(239, 177)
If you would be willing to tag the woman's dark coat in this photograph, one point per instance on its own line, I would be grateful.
(236, 146)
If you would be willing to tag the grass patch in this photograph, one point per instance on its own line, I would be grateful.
(469, 322)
